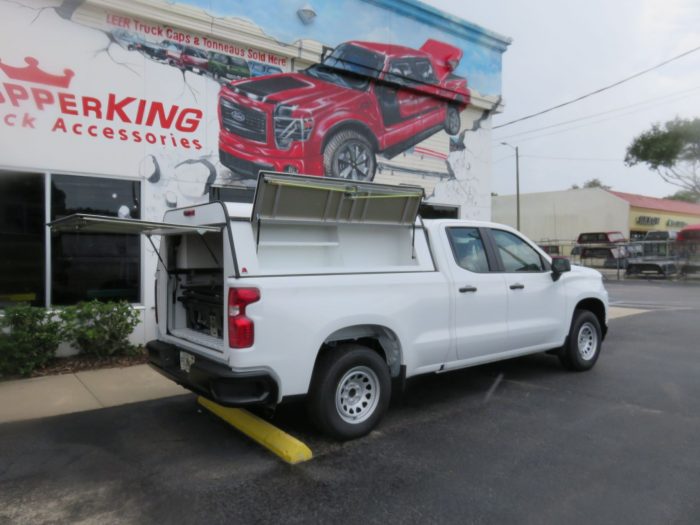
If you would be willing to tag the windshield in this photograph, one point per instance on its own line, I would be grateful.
(349, 66)
(334, 76)
(356, 60)
(195, 52)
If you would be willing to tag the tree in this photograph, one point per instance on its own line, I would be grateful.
(671, 150)
(685, 196)
(591, 183)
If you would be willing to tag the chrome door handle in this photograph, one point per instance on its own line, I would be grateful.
(467, 288)
(517, 286)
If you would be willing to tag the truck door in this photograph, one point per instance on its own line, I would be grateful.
(536, 303)
(480, 295)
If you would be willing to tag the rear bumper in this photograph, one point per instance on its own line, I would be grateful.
(211, 379)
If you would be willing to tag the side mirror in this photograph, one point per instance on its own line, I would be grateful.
(559, 266)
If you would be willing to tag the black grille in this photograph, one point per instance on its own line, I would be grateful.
(245, 122)
(241, 166)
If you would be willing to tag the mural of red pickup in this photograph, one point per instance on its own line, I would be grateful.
(333, 118)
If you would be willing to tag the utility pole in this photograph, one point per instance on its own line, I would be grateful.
(517, 183)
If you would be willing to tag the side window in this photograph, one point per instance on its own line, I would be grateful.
(400, 72)
(468, 249)
(516, 254)
(423, 72)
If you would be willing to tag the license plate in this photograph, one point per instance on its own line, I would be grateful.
(186, 361)
(195, 70)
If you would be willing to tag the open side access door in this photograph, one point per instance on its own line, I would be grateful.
(86, 223)
(290, 199)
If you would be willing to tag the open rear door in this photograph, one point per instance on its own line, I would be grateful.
(85, 223)
(446, 57)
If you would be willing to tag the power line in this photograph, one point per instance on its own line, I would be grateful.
(558, 132)
(600, 90)
(570, 158)
(593, 115)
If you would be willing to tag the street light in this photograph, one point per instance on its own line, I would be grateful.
(517, 184)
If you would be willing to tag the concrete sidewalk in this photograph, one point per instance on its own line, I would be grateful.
(62, 394)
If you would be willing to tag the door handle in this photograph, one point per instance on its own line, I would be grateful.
(517, 286)
(467, 288)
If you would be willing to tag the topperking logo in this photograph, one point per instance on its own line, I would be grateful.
(30, 90)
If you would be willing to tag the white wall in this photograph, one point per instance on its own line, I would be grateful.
(562, 215)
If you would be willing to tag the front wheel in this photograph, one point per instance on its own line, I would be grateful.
(350, 391)
(349, 155)
(582, 348)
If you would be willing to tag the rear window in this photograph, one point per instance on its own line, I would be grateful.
(592, 237)
(601, 237)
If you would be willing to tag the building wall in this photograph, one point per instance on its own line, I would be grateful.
(562, 215)
(93, 89)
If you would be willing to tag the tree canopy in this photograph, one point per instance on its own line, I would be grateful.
(671, 150)
(685, 196)
(591, 183)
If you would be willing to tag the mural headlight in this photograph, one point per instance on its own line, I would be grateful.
(289, 128)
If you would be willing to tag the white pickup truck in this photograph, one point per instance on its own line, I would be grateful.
(337, 290)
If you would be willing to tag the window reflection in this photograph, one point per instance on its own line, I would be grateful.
(21, 238)
(89, 266)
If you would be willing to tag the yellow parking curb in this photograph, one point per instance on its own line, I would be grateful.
(287, 447)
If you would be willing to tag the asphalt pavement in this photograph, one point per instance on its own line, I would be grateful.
(518, 441)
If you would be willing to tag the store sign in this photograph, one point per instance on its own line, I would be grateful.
(672, 223)
(34, 90)
(647, 220)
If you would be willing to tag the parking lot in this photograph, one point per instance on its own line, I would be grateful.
(516, 441)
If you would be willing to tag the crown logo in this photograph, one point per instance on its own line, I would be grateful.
(32, 73)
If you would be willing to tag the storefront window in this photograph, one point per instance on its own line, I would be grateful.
(87, 266)
(22, 238)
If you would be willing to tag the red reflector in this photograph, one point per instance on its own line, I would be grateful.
(241, 329)
(188, 213)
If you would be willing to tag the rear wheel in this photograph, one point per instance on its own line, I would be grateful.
(349, 155)
(452, 120)
(350, 391)
(583, 345)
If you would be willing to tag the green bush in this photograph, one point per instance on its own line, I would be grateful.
(29, 337)
(101, 329)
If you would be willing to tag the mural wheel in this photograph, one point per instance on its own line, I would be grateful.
(452, 120)
(349, 155)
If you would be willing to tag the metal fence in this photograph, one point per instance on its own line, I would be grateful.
(661, 259)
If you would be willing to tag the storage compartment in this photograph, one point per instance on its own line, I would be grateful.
(203, 307)
(196, 287)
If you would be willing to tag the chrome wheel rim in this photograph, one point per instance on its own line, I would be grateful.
(587, 341)
(354, 161)
(357, 395)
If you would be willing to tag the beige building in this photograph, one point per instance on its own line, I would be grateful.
(562, 215)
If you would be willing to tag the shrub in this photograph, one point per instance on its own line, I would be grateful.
(101, 329)
(28, 340)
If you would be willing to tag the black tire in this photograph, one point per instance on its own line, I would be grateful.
(349, 155)
(582, 347)
(345, 379)
(453, 121)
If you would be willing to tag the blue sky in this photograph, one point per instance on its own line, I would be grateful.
(341, 20)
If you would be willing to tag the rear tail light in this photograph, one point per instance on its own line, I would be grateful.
(241, 330)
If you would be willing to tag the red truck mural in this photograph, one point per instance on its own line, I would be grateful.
(333, 118)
